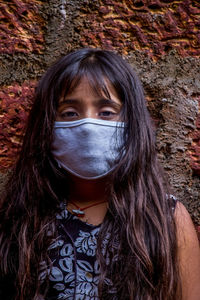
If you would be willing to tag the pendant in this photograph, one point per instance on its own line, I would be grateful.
(78, 212)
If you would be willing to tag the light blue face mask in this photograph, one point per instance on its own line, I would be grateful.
(88, 148)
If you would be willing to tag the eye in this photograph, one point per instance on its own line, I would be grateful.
(108, 113)
(68, 115)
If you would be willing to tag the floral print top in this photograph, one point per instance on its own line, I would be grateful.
(74, 272)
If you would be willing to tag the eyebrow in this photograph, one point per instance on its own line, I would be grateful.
(99, 102)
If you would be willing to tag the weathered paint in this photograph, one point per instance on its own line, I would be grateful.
(154, 27)
(194, 149)
(15, 102)
(21, 27)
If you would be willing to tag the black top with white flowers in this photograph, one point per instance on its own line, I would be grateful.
(75, 271)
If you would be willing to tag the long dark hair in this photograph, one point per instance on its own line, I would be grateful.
(140, 221)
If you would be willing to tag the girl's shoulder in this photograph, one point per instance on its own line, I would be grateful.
(188, 252)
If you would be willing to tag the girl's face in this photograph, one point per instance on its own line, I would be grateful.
(83, 102)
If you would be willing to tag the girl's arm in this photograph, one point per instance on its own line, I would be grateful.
(189, 254)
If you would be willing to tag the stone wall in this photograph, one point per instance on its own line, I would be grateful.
(161, 39)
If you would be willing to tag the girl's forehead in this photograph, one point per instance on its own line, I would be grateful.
(103, 88)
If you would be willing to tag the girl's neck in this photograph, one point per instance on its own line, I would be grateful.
(85, 192)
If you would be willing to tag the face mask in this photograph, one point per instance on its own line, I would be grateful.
(88, 148)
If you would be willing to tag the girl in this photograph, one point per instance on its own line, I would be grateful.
(86, 214)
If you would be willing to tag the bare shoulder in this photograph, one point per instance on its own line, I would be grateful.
(188, 254)
(185, 227)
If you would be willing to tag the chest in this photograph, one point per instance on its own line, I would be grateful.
(74, 270)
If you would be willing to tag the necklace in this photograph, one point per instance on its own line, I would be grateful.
(79, 211)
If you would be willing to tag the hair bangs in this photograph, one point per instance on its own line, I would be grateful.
(94, 74)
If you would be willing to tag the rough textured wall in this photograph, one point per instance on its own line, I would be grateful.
(161, 39)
